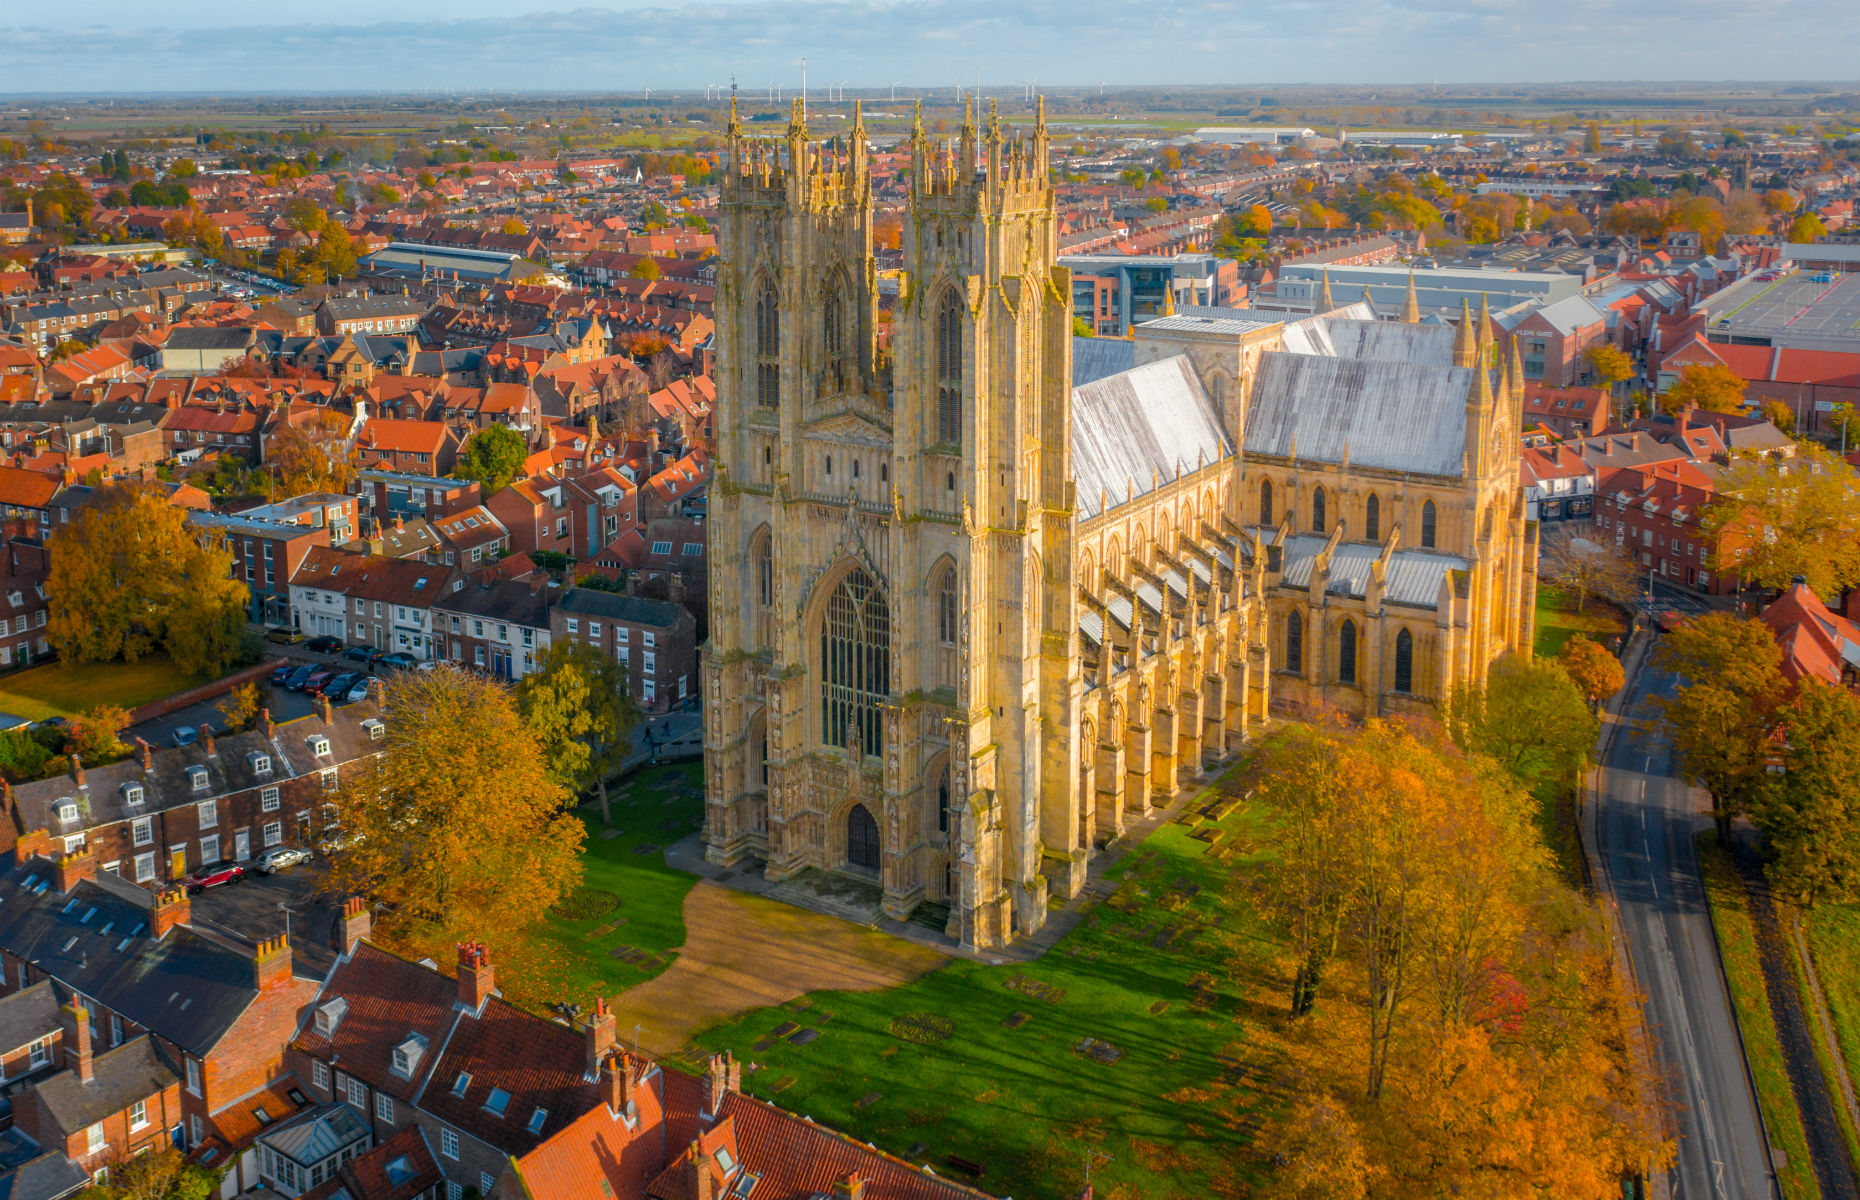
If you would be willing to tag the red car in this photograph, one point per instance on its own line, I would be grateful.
(211, 877)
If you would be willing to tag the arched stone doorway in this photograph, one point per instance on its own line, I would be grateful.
(861, 839)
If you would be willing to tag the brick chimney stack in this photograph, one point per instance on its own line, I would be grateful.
(271, 963)
(206, 739)
(353, 926)
(621, 1077)
(850, 1187)
(476, 979)
(74, 866)
(77, 771)
(168, 908)
(328, 713)
(601, 1036)
(147, 754)
(722, 1075)
(264, 723)
(77, 1039)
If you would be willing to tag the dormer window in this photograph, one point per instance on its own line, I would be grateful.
(319, 745)
(67, 811)
(132, 794)
(407, 1056)
(197, 778)
(497, 1102)
(329, 1015)
(376, 728)
(261, 764)
(536, 1120)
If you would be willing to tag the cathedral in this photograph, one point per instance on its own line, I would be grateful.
(983, 594)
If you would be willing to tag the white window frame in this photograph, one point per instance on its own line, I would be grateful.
(138, 1116)
(449, 1143)
(94, 1139)
(145, 867)
(142, 831)
(193, 1076)
(319, 1073)
(268, 798)
(209, 811)
(384, 1107)
(356, 1092)
(209, 850)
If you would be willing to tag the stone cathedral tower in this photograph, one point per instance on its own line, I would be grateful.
(892, 683)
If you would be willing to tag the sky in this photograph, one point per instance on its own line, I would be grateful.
(231, 46)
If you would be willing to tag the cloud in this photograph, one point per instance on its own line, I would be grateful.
(936, 42)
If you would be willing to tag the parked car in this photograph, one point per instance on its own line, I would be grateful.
(280, 857)
(212, 877)
(360, 689)
(326, 644)
(296, 680)
(186, 735)
(337, 686)
(284, 635)
(283, 672)
(313, 686)
(361, 654)
(334, 841)
(400, 660)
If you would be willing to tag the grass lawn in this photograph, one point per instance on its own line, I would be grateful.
(1557, 621)
(569, 957)
(63, 690)
(1834, 940)
(1737, 943)
(993, 1063)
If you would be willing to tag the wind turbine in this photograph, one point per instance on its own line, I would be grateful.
(842, 86)
(894, 90)
(648, 93)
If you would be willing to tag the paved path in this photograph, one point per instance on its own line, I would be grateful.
(1647, 821)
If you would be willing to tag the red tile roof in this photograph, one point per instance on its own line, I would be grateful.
(1816, 641)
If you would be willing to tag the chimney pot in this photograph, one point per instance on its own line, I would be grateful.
(354, 926)
(476, 978)
(601, 1034)
(168, 908)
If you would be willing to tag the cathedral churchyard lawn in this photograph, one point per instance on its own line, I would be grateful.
(625, 923)
(1557, 620)
(64, 690)
(1133, 1039)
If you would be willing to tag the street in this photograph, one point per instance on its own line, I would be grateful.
(264, 906)
(1646, 825)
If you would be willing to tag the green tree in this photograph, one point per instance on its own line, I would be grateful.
(1711, 387)
(580, 707)
(1081, 327)
(1807, 228)
(1776, 518)
(1722, 714)
(646, 268)
(129, 576)
(457, 824)
(493, 456)
(183, 168)
(1530, 718)
(1810, 811)
(162, 1175)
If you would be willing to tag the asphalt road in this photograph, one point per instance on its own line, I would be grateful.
(1647, 822)
(264, 906)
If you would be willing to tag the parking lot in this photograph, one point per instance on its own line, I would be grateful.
(264, 906)
(284, 705)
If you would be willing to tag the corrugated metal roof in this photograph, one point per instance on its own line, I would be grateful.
(1384, 341)
(1094, 358)
(1399, 416)
(1139, 425)
(1414, 575)
(1201, 323)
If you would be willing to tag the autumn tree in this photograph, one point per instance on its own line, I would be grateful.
(1585, 569)
(1723, 710)
(1300, 780)
(493, 456)
(646, 268)
(163, 1175)
(1596, 673)
(313, 455)
(1776, 518)
(1608, 365)
(129, 577)
(1809, 812)
(1808, 227)
(96, 734)
(456, 826)
(1778, 414)
(513, 228)
(1319, 1151)
(240, 707)
(1711, 387)
(580, 707)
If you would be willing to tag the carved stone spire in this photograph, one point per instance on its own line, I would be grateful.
(1410, 305)
(1369, 302)
(1465, 348)
(1324, 304)
(1484, 333)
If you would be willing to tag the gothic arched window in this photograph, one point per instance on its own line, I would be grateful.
(855, 664)
(762, 556)
(1372, 518)
(862, 839)
(833, 320)
(1265, 502)
(1294, 642)
(949, 370)
(768, 348)
(948, 625)
(1427, 525)
(1346, 653)
(943, 823)
(1404, 661)
(1317, 510)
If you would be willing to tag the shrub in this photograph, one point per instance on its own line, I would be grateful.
(925, 1029)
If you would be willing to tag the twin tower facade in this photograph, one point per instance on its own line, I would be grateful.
(925, 671)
